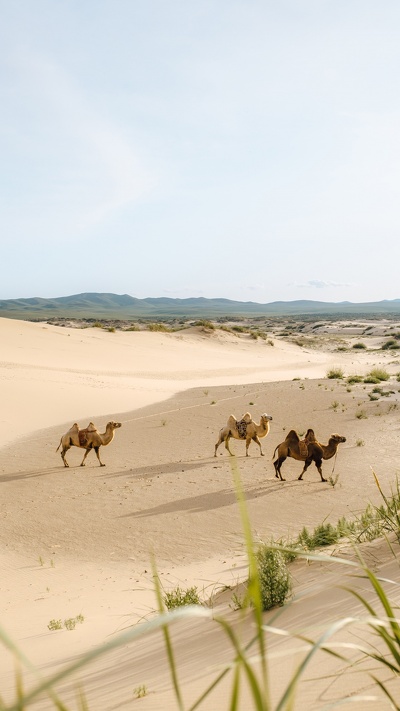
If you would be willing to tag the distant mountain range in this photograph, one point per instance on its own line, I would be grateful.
(125, 307)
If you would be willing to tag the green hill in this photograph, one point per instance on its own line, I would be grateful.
(125, 307)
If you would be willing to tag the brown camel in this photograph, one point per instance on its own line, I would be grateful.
(244, 429)
(307, 450)
(88, 438)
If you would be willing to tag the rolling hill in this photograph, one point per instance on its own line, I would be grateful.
(125, 307)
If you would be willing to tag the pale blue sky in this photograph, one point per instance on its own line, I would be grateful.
(247, 150)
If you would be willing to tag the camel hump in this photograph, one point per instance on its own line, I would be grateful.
(246, 417)
(91, 427)
(231, 422)
(292, 436)
(310, 436)
(74, 428)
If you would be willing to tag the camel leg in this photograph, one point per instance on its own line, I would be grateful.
(221, 439)
(306, 465)
(63, 453)
(257, 440)
(227, 445)
(277, 464)
(96, 449)
(83, 460)
(318, 464)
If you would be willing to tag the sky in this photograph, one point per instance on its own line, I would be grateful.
(218, 148)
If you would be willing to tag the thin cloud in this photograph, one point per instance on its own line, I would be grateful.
(318, 284)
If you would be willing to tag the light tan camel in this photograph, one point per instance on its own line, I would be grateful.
(307, 450)
(244, 429)
(88, 438)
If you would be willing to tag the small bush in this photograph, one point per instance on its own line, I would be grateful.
(205, 324)
(179, 598)
(359, 346)
(371, 380)
(157, 327)
(274, 577)
(361, 415)
(70, 624)
(335, 374)
(140, 691)
(391, 344)
(354, 379)
(54, 625)
(324, 535)
(360, 443)
(379, 373)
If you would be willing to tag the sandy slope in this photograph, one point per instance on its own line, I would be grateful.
(78, 541)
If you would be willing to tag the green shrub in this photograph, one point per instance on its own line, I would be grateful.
(179, 598)
(305, 538)
(335, 373)
(354, 379)
(379, 373)
(157, 327)
(274, 577)
(371, 380)
(359, 346)
(391, 344)
(54, 625)
(324, 535)
(205, 324)
(140, 691)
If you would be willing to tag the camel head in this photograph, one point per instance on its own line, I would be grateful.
(337, 438)
(113, 425)
(265, 417)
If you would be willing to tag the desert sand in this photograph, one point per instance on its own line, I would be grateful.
(79, 541)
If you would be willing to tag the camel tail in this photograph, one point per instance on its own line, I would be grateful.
(275, 451)
(59, 445)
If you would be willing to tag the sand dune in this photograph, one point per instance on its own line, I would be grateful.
(78, 541)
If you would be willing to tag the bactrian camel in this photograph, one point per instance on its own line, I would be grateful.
(88, 438)
(307, 450)
(244, 429)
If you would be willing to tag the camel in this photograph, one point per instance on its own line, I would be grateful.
(88, 438)
(307, 450)
(244, 429)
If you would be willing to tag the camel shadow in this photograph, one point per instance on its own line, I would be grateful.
(206, 502)
(158, 470)
(30, 474)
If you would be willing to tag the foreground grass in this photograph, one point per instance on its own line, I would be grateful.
(248, 664)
